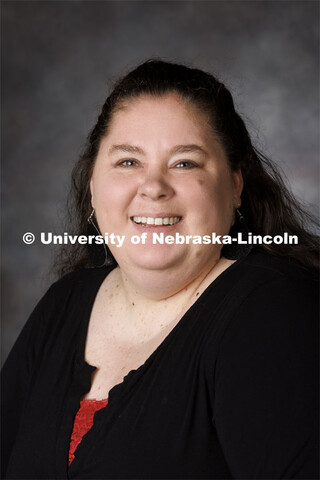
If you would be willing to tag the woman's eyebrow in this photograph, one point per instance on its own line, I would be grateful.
(188, 149)
(125, 147)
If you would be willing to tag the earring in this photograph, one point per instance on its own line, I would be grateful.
(240, 216)
(90, 217)
(234, 251)
(97, 252)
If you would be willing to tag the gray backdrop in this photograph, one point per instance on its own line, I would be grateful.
(57, 60)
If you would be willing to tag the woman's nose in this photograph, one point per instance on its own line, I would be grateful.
(155, 186)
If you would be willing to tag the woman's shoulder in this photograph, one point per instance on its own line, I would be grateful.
(262, 283)
(72, 291)
(275, 297)
(275, 274)
(268, 298)
(266, 370)
(60, 305)
(86, 279)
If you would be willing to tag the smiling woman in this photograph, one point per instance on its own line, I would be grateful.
(177, 171)
(173, 359)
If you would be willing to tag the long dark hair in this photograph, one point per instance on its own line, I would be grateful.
(267, 204)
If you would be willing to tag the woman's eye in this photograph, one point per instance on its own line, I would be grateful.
(186, 164)
(127, 163)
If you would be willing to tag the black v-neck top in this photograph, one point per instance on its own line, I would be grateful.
(230, 393)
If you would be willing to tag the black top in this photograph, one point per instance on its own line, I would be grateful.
(230, 393)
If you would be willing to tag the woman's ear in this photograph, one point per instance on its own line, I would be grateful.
(237, 187)
(92, 195)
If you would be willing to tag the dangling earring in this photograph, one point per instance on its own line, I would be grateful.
(234, 251)
(97, 252)
(90, 217)
(240, 216)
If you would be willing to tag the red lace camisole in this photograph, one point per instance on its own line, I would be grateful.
(83, 422)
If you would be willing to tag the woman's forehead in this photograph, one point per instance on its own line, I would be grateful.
(169, 100)
(166, 116)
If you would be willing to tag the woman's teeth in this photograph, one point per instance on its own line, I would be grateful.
(156, 220)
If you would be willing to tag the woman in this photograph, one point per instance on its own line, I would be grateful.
(198, 359)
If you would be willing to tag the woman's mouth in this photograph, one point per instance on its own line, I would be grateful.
(156, 221)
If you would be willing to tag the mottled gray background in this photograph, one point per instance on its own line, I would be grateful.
(58, 58)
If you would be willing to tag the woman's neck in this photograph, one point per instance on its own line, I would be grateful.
(156, 297)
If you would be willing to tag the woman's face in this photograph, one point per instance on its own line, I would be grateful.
(160, 169)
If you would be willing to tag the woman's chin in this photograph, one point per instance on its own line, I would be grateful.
(153, 258)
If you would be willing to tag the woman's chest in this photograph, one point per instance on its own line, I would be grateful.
(115, 347)
(152, 423)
